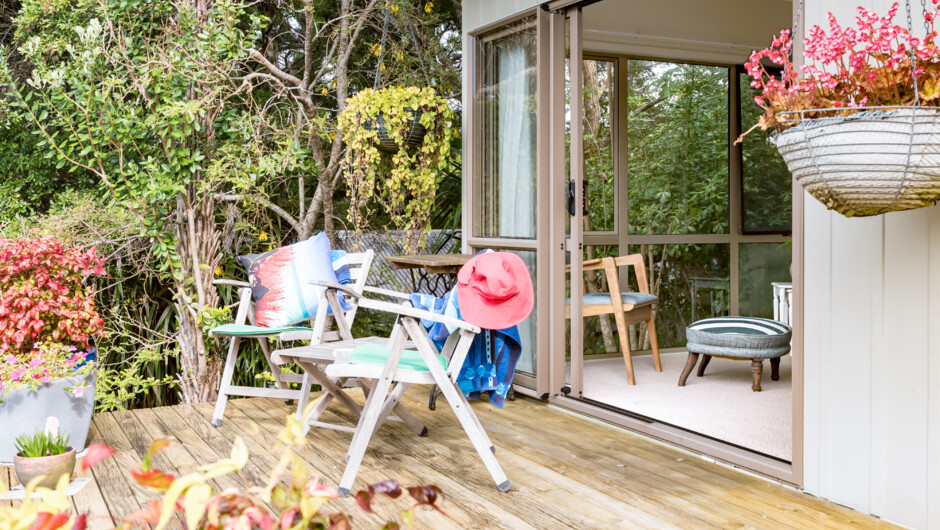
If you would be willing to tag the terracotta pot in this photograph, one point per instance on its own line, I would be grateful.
(52, 467)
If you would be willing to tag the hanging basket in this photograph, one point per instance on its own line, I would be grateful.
(875, 161)
(413, 132)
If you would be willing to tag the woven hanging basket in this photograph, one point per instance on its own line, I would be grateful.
(869, 163)
(413, 132)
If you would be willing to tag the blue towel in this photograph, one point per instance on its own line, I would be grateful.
(491, 361)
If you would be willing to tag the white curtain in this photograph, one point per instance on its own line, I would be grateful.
(515, 142)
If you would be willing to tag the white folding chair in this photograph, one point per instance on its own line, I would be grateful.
(359, 266)
(392, 368)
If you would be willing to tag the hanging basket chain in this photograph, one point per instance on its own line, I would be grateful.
(414, 41)
(378, 68)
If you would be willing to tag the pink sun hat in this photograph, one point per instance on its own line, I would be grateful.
(494, 290)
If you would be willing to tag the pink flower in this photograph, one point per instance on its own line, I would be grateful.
(78, 391)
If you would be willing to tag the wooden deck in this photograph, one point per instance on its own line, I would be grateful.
(566, 472)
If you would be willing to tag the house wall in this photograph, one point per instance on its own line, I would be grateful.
(872, 349)
(871, 286)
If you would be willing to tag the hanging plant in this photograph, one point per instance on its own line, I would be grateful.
(858, 125)
(397, 141)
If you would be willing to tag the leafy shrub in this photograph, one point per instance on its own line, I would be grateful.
(42, 296)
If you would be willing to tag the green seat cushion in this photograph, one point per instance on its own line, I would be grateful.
(244, 330)
(378, 354)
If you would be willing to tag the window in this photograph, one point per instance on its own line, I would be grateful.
(505, 103)
(677, 128)
(765, 178)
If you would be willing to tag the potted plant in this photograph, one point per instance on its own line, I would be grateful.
(47, 322)
(858, 124)
(44, 453)
(397, 142)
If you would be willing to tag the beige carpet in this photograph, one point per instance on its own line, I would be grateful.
(720, 404)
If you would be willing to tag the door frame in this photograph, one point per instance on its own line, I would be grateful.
(569, 12)
(550, 247)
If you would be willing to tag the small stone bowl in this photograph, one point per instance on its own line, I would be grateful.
(52, 467)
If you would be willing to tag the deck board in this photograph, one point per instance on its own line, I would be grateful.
(566, 472)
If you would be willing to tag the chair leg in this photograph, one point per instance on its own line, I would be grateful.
(701, 367)
(370, 413)
(623, 334)
(757, 368)
(360, 441)
(477, 436)
(226, 381)
(304, 396)
(689, 364)
(654, 342)
(775, 369)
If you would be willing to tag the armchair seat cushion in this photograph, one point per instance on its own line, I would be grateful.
(245, 330)
(629, 298)
(377, 354)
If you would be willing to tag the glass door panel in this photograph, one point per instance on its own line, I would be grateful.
(760, 265)
(599, 174)
(678, 156)
(766, 193)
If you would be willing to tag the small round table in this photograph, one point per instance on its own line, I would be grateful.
(431, 273)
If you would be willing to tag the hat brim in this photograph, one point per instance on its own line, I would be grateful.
(488, 314)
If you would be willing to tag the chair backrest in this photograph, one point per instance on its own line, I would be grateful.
(639, 268)
(360, 264)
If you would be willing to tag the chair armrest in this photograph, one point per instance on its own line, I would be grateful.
(236, 283)
(589, 265)
(337, 287)
(386, 292)
(408, 311)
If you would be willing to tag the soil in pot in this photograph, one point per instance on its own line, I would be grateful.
(52, 467)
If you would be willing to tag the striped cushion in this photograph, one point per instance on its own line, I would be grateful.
(739, 332)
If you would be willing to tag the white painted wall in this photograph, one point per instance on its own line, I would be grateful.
(872, 350)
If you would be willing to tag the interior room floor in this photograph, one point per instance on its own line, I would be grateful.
(720, 405)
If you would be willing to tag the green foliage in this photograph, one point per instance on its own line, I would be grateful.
(42, 443)
(404, 182)
(121, 385)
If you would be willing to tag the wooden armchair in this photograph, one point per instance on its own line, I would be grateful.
(628, 308)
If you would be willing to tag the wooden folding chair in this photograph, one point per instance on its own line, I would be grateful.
(628, 308)
(359, 266)
(392, 368)
(313, 358)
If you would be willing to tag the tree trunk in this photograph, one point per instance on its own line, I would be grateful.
(199, 252)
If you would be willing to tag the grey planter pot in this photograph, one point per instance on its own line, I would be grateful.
(25, 411)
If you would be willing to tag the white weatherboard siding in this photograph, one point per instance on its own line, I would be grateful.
(872, 372)
(872, 349)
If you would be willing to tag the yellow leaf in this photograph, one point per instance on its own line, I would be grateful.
(172, 495)
(239, 453)
(194, 501)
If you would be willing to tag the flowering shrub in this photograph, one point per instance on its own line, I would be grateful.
(42, 298)
(45, 363)
(300, 500)
(868, 65)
